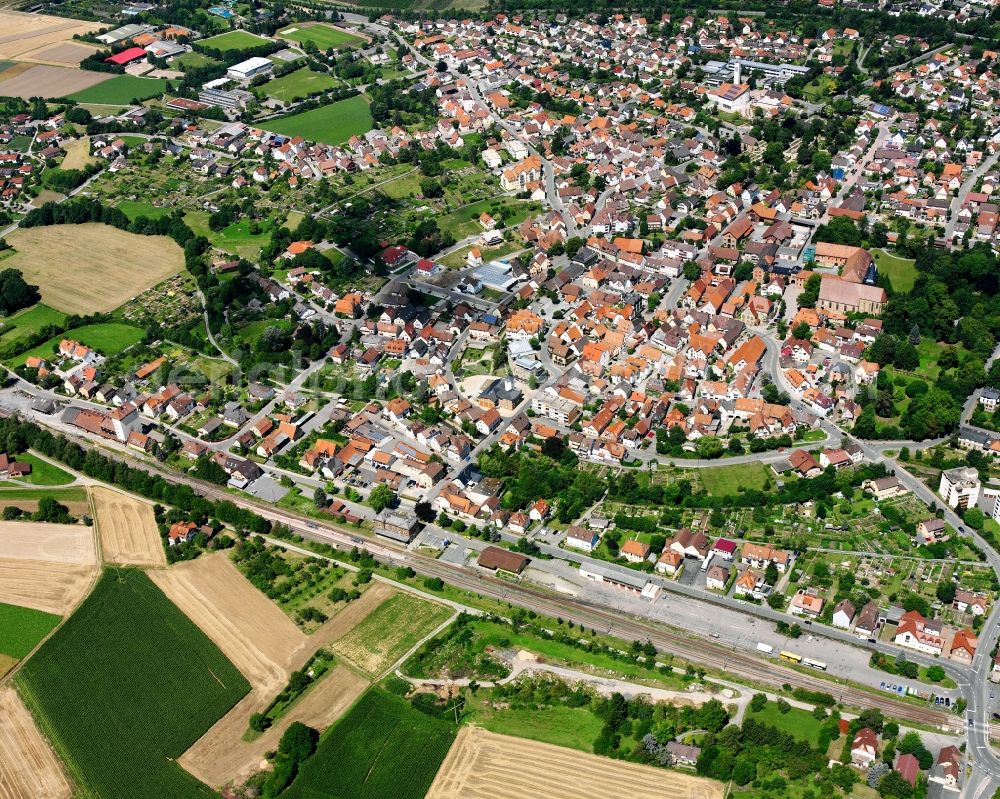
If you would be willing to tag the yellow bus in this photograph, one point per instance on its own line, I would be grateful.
(791, 657)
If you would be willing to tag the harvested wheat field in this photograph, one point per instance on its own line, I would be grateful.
(109, 266)
(221, 757)
(78, 154)
(69, 54)
(484, 765)
(127, 529)
(50, 81)
(22, 34)
(52, 587)
(253, 632)
(54, 543)
(29, 768)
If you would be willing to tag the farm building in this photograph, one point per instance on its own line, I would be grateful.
(126, 56)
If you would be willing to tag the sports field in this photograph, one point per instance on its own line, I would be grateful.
(484, 765)
(322, 35)
(329, 124)
(390, 631)
(383, 747)
(121, 89)
(125, 686)
(233, 40)
(91, 267)
(297, 85)
(108, 338)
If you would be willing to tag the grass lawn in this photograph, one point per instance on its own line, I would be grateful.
(297, 85)
(193, 59)
(901, 271)
(796, 721)
(329, 124)
(133, 209)
(121, 89)
(236, 239)
(30, 320)
(22, 628)
(232, 40)
(720, 480)
(323, 36)
(576, 728)
(44, 473)
(456, 259)
(108, 338)
(465, 221)
(819, 89)
(58, 494)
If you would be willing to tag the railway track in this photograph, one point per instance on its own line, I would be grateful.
(691, 648)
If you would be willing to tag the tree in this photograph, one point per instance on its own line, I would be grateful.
(15, 292)
(757, 703)
(974, 518)
(802, 331)
(810, 294)
(945, 591)
(914, 337)
(381, 498)
(895, 786)
(709, 447)
(319, 497)
(424, 511)
(935, 673)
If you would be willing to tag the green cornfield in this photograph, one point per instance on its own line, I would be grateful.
(383, 747)
(125, 686)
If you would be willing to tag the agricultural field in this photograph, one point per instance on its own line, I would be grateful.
(121, 90)
(330, 124)
(484, 765)
(29, 769)
(126, 529)
(29, 321)
(54, 543)
(251, 630)
(39, 80)
(225, 756)
(322, 35)
(120, 722)
(108, 338)
(22, 628)
(110, 266)
(233, 40)
(297, 85)
(382, 747)
(390, 631)
(28, 37)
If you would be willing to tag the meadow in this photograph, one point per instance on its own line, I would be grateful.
(30, 320)
(329, 124)
(125, 686)
(108, 338)
(44, 473)
(22, 628)
(121, 89)
(382, 747)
